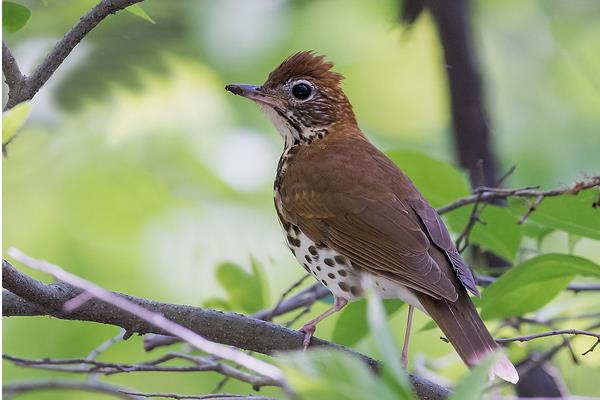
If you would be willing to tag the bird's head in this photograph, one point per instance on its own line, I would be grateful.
(303, 98)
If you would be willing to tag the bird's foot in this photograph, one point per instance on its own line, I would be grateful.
(309, 331)
(404, 360)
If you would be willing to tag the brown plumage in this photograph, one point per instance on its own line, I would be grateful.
(340, 198)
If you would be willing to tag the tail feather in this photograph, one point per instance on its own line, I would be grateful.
(465, 330)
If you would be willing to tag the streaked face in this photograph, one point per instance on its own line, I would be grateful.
(302, 97)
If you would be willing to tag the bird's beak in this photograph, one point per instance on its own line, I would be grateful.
(254, 93)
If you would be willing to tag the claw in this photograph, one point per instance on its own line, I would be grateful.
(310, 327)
(404, 360)
(309, 331)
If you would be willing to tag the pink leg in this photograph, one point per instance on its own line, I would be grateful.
(404, 357)
(310, 327)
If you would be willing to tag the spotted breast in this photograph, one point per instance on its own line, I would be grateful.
(340, 274)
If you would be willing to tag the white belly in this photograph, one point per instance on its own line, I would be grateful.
(337, 273)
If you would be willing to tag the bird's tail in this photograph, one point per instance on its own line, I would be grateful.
(465, 330)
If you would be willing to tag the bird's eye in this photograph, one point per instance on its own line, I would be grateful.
(301, 91)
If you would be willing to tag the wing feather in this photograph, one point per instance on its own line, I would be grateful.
(351, 197)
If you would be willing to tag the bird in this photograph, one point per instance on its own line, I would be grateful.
(352, 218)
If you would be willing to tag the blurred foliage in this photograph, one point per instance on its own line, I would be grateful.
(14, 16)
(532, 284)
(245, 292)
(351, 325)
(13, 120)
(136, 170)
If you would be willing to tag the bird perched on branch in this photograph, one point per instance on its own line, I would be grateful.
(349, 213)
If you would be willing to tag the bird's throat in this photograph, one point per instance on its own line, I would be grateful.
(291, 128)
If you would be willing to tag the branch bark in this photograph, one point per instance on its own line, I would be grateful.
(486, 194)
(112, 390)
(471, 130)
(91, 291)
(226, 328)
(23, 88)
(11, 71)
(554, 332)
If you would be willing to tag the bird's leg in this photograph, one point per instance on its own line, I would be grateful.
(404, 357)
(310, 327)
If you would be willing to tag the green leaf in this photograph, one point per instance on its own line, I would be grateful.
(572, 241)
(498, 232)
(533, 284)
(352, 325)
(14, 119)
(570, 213)
(535, 230)
(137, 10)
(428, 326)
(261, 280)
(392, 371)
(438, 181)
(216, 303)
(473, 385)
(332, 374)
(244, 290)
(14, 16)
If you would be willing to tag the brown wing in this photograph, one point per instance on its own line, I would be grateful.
(349, 196)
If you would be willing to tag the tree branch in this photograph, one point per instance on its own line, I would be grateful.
(200, 364)
(304, 299)
(16, 388)
(10, 68)
(555, 332)
(156, 319)
(113, 390)
(486, 194)
(23, 88)
(227, 328)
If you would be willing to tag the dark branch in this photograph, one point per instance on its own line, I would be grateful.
(487, 193)
(303, 300)
(555, 332)
(200, 364)
(227, 328)
(471, 128)
(10, 68)
(16, 388)
(154, 318)
(113, 390)
(23, 88)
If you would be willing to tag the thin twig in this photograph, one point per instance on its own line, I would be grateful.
(102, 348)
(156, 319)
(554, 332)
(30, 297)
(10, 68)
(592, 348)
(532, 207)
(86, 366)
(29, 86)
(221, 384)
(462, 242)
(488, 194)
(16, 388)
(304, 299)
(27, 386)
(284, 295)
(530, 364)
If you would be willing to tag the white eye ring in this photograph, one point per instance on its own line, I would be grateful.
(302, 90)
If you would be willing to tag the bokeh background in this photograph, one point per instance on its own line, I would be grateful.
(138, 171)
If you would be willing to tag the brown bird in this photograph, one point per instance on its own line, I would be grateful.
(349, 213)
